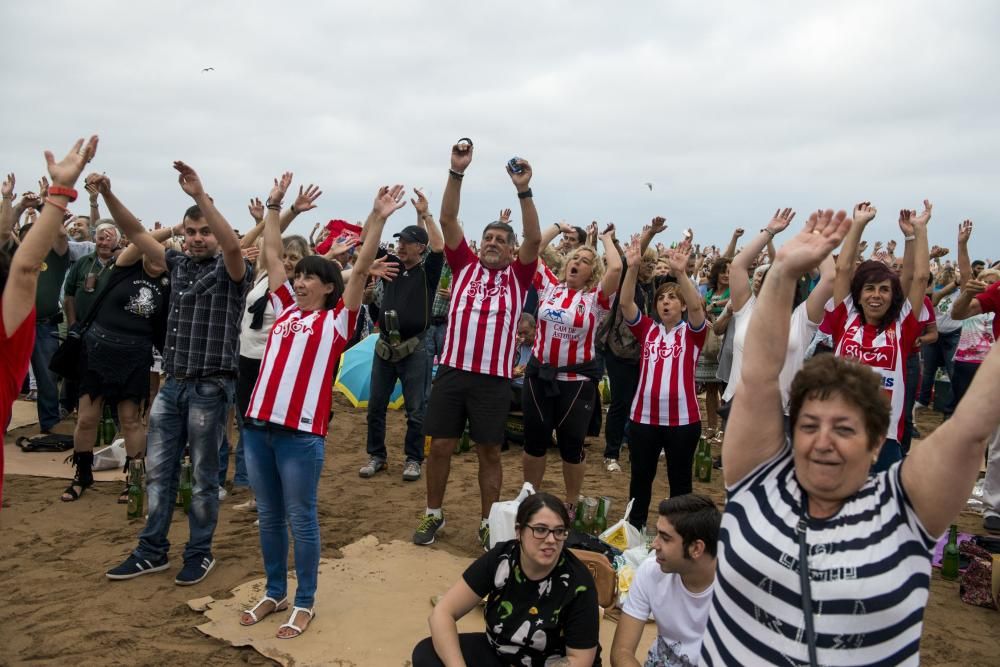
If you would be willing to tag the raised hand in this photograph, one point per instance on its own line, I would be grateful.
(306, 199)
(964, 231)
(7, 187)
(738, 233)
(782, 218)
(864, 213)
(881, 256)
(279, 188)
(592, 228)
(633, 254)
(256, 208)
(29, 201)
(937, 251)
(891, 247)
(384, 269)
(878, 246)
(925, 216)
(189, 180)
(91, 192)
(677, 259)
(341, 246)
(43, 187)
(522, 179)
(609, 232)
(251, 253)
(823, 232)
(862, 246)
(422, 205)
(389, 200)
(461, 156)
(99, 182)
(505, 215)
(66, 171)
(656, 225)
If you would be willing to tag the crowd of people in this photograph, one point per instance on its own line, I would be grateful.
(812, 355)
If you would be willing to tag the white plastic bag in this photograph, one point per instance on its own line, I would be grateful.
(502, 515)
(110, 457)
(624, 535)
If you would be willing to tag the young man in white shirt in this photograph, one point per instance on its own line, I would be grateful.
(675, 587)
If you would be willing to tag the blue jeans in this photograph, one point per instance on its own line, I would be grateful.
(889, 454)
(188, 412)
(412, 372)
(240, 477)
(284, 467)
(47, 382)
(939, 354)
(434, 345)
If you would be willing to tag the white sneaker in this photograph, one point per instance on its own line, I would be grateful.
(248, 506)
(612, 465)
(223, 493)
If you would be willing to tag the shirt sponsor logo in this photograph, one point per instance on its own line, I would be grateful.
(661, 349)
(480, 289)
(881, 353)
(292, 327)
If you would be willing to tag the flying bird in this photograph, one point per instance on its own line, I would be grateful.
(208, 69)
(649, 185)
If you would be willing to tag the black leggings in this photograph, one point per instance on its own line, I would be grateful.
(568, 414)
(476, 650)
(645, 443)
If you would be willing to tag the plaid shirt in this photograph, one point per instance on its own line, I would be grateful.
(206, 308)
(440, 307)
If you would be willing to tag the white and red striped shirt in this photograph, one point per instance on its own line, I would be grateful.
(666, 394)
(483, 313)
(883, 351)
(567, 321)
(296, 375)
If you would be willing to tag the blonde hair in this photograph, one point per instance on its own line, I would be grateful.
(598, 267)
(989, 273)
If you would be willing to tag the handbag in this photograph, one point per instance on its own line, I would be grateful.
(713, 345)
(976, 586)
(66, 360)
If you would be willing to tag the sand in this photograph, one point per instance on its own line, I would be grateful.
(60, 609)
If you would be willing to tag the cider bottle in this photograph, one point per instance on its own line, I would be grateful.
(949, 561)
(136, 490)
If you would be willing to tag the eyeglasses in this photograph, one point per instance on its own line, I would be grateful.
(542, 532)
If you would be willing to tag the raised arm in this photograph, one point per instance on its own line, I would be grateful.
(739, 269)
(549, 234)
(273, 250)
(132, 254)
(531, 242)
(461, 158)
(22, 279)
(964, 260)
(916, 257)
(388, 201)
(7, 218)
(939, 474)
(966, 306)
(657, 225)
(678, 259)
(863, 214)
(730, 251)
(425, 219)
(229, 243)
(612, 261)
(756, 423)
(128, 223)
(626, 300)
(816, 301)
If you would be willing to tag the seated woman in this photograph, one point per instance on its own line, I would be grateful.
(805, 526)
(541, 602)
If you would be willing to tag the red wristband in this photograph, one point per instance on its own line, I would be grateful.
(63, 192)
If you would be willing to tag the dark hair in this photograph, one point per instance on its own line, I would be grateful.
(717, 268)
(328, 274)
(530, 506)
(194, 213)
(826, 376)
(497, 224)
(581, 234)
(694, 517)
(869, 272)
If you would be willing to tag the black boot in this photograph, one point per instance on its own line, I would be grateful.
(83, 479)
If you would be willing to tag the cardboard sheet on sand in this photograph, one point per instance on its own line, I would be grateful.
(372, 608)
(46, 464)
(23, 413)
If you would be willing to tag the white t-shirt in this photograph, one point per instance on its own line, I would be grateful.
(942, 311)
(681, 616)
(253, 341)
(800, 334)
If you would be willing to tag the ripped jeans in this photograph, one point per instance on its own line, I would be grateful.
(186, 412)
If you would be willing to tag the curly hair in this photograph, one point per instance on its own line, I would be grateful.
(827, 376)
(718, 267)
(870, 272)
(596, 273)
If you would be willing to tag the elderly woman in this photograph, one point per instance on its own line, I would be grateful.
(541, 602)
(806, 528)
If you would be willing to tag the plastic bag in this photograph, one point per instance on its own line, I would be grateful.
(631, 560)
(502, 515)
(624, 535)
(110, 457)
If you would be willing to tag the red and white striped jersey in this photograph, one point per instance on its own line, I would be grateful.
(296, 375)
(483, 313)
(666, 394)
(883, 351)
(567, 322)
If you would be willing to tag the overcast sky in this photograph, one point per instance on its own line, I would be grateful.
(730, 109)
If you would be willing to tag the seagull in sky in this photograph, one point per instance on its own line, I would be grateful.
(649, 185)
(208, 69)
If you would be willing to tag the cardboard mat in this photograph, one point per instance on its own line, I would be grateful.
(371, 609)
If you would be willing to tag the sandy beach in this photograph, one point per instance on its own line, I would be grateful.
(60, 609)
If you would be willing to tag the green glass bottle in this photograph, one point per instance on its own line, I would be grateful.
(136, 490)
(108, 430)
(579, 518)
(185, 490)
(601, 518)
(703, 461)
(949, 562)
(465, 444)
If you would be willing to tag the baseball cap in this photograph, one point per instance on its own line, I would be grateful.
(413, 234)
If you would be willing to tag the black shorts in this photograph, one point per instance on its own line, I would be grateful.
(457, 396)
(569, 414)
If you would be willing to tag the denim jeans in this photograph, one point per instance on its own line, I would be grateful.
(412, 372)
(434, 345)
(46, 345)
(188, 412)
(284, 467)
(240, 477)
(939, 354)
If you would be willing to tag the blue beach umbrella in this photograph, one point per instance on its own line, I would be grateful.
(354, 379)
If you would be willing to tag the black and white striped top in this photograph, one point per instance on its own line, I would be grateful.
(869, 566)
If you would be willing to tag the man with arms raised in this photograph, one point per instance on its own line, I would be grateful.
(675, 588)
(475, 369)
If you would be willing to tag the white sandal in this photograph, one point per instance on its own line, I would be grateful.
(279, 605)
(289, 624)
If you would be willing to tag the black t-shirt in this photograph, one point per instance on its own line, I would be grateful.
(411, 294)
(535, 619)
(133, 302)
